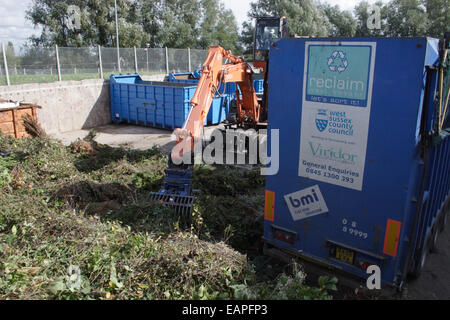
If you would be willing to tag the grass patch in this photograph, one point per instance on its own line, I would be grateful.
(76, 222)
(47, 78)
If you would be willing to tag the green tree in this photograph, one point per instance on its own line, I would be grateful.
(406, 18)
(343, 24)
(304, 18)
(149, 18)
(246, 38)
(438, 12)
(11, 57)
(178, 27)
(96, 23)
(160, 23)
(362, 12)
(218, 27)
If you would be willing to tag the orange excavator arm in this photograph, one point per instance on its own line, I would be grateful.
(215, 73)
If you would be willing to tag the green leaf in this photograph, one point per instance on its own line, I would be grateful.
(223, 296)
(113, 277)
(332, 287)
(56, 286)
(86, 289)
(323, 280)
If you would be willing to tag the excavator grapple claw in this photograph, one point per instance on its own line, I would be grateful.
(176, 192)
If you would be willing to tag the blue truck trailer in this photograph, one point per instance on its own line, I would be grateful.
(364, 152)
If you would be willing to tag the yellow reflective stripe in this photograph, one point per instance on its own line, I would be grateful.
(392, 237)
(269, 205)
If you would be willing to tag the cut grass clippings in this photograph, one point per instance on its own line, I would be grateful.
(76, 222)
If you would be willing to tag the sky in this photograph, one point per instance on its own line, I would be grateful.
(14, 27)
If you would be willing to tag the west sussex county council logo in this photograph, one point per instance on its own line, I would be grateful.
(337, 61)
(321, 120)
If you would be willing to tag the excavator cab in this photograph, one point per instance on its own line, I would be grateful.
(267, 31)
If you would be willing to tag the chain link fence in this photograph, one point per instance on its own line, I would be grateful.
(38, 64)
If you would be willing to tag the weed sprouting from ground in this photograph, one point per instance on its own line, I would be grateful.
(76, 222)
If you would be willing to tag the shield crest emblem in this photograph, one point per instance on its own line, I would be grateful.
(321, 120)
(321, 124)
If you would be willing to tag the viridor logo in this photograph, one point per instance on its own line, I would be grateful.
(337, 61)
(322, 152)
(321, 120)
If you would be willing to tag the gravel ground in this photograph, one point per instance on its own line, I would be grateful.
(434, 282)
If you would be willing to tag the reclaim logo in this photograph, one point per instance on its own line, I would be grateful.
(321, 120)
(306, 203)
(337, 74)
(337, 61)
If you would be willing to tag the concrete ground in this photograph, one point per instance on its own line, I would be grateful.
(118, 135)
(434, 283)
(129, 136)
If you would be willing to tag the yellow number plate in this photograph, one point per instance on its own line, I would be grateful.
(345, 255)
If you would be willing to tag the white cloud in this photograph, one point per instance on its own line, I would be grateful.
(13, 25)
(239, 8)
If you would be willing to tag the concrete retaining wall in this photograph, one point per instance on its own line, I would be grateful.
(67, 105)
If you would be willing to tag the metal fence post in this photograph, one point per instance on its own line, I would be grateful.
(117, 37)
(100, 64)
(5, 65)
(189, 59)
(135, 61)
(167, 61)
(58, 67)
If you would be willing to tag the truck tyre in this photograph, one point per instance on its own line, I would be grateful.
(444, 219)
(435, 237)
(418, 267)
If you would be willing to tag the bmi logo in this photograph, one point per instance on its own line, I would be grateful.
(321, 120)
(306, 203)
(337, 61)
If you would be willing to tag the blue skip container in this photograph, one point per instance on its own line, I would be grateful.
(363, 179)
(230, 89)
(184, 77)
(159, 104)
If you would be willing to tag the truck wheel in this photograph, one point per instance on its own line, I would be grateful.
(434, 238)
(421, 262)
(444, 220)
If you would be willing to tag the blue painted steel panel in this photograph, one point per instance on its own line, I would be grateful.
(397, 181)
(230, 89)
(220, 105)
(158, 104)
(258, 85)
